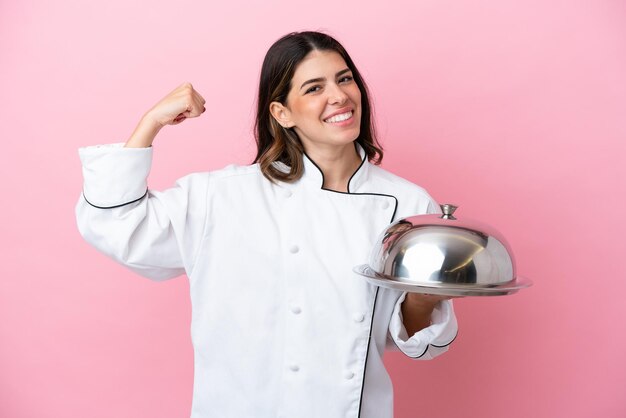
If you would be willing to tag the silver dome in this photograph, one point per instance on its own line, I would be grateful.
(439, 254)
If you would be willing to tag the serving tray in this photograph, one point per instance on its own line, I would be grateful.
(398, 283)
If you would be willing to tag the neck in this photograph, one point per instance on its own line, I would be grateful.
(337, 164)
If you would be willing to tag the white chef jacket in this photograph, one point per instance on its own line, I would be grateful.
(281, 325)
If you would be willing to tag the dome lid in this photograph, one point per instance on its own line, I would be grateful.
(440, 254)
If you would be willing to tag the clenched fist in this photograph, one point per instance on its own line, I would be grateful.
(182, 103)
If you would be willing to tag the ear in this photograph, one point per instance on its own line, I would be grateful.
(281, 114)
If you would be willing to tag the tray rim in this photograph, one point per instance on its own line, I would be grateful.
(510, 287)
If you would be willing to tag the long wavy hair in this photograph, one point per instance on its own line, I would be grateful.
(276, 143)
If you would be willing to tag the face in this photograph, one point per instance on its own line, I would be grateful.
(324, 103)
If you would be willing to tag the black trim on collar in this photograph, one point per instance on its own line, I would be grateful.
(356, 171)
(319, 169)
(116, 206)
(349, 180)
(351, 193)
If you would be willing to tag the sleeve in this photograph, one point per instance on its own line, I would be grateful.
(432, 340)
(155, 234)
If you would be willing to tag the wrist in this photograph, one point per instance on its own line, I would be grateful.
(144, 134)
(150, 124)
(416, 311)
(420, 302)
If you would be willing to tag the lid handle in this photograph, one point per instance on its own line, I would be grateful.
(448, 210)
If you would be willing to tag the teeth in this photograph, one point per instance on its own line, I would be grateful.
(339, 118)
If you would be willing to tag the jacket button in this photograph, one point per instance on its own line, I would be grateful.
(296, 309)
(294, 368)
(294, 249)
(358, 317)
(348, 375)
(385, 205)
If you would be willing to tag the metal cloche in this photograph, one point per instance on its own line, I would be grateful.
(442, 255)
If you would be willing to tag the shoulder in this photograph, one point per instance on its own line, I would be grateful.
(235, 172)
(230, 173)
(412, 198)
(396, 183)
(234, 177)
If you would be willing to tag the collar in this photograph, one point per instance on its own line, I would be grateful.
(313, 174)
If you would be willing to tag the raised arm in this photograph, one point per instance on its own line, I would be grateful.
(154, 233)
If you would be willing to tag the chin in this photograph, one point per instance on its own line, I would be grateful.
(348, 138)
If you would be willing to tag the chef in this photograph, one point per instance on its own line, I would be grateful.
(281, 326)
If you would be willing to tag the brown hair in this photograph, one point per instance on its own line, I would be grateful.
(276, 143)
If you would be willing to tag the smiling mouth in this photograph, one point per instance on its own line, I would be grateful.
(340, 117)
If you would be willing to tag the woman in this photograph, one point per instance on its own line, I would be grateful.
(281, 326)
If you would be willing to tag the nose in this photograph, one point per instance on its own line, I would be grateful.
(336, 95)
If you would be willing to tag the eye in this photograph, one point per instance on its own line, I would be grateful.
(313, 89)
(346, 79)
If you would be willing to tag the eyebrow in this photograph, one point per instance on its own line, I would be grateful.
(317, 80)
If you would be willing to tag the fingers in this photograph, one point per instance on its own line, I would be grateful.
(181, 103)
(194, 102)
(195, 108)
(198, 97)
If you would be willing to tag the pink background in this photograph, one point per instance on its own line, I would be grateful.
(513, 109)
